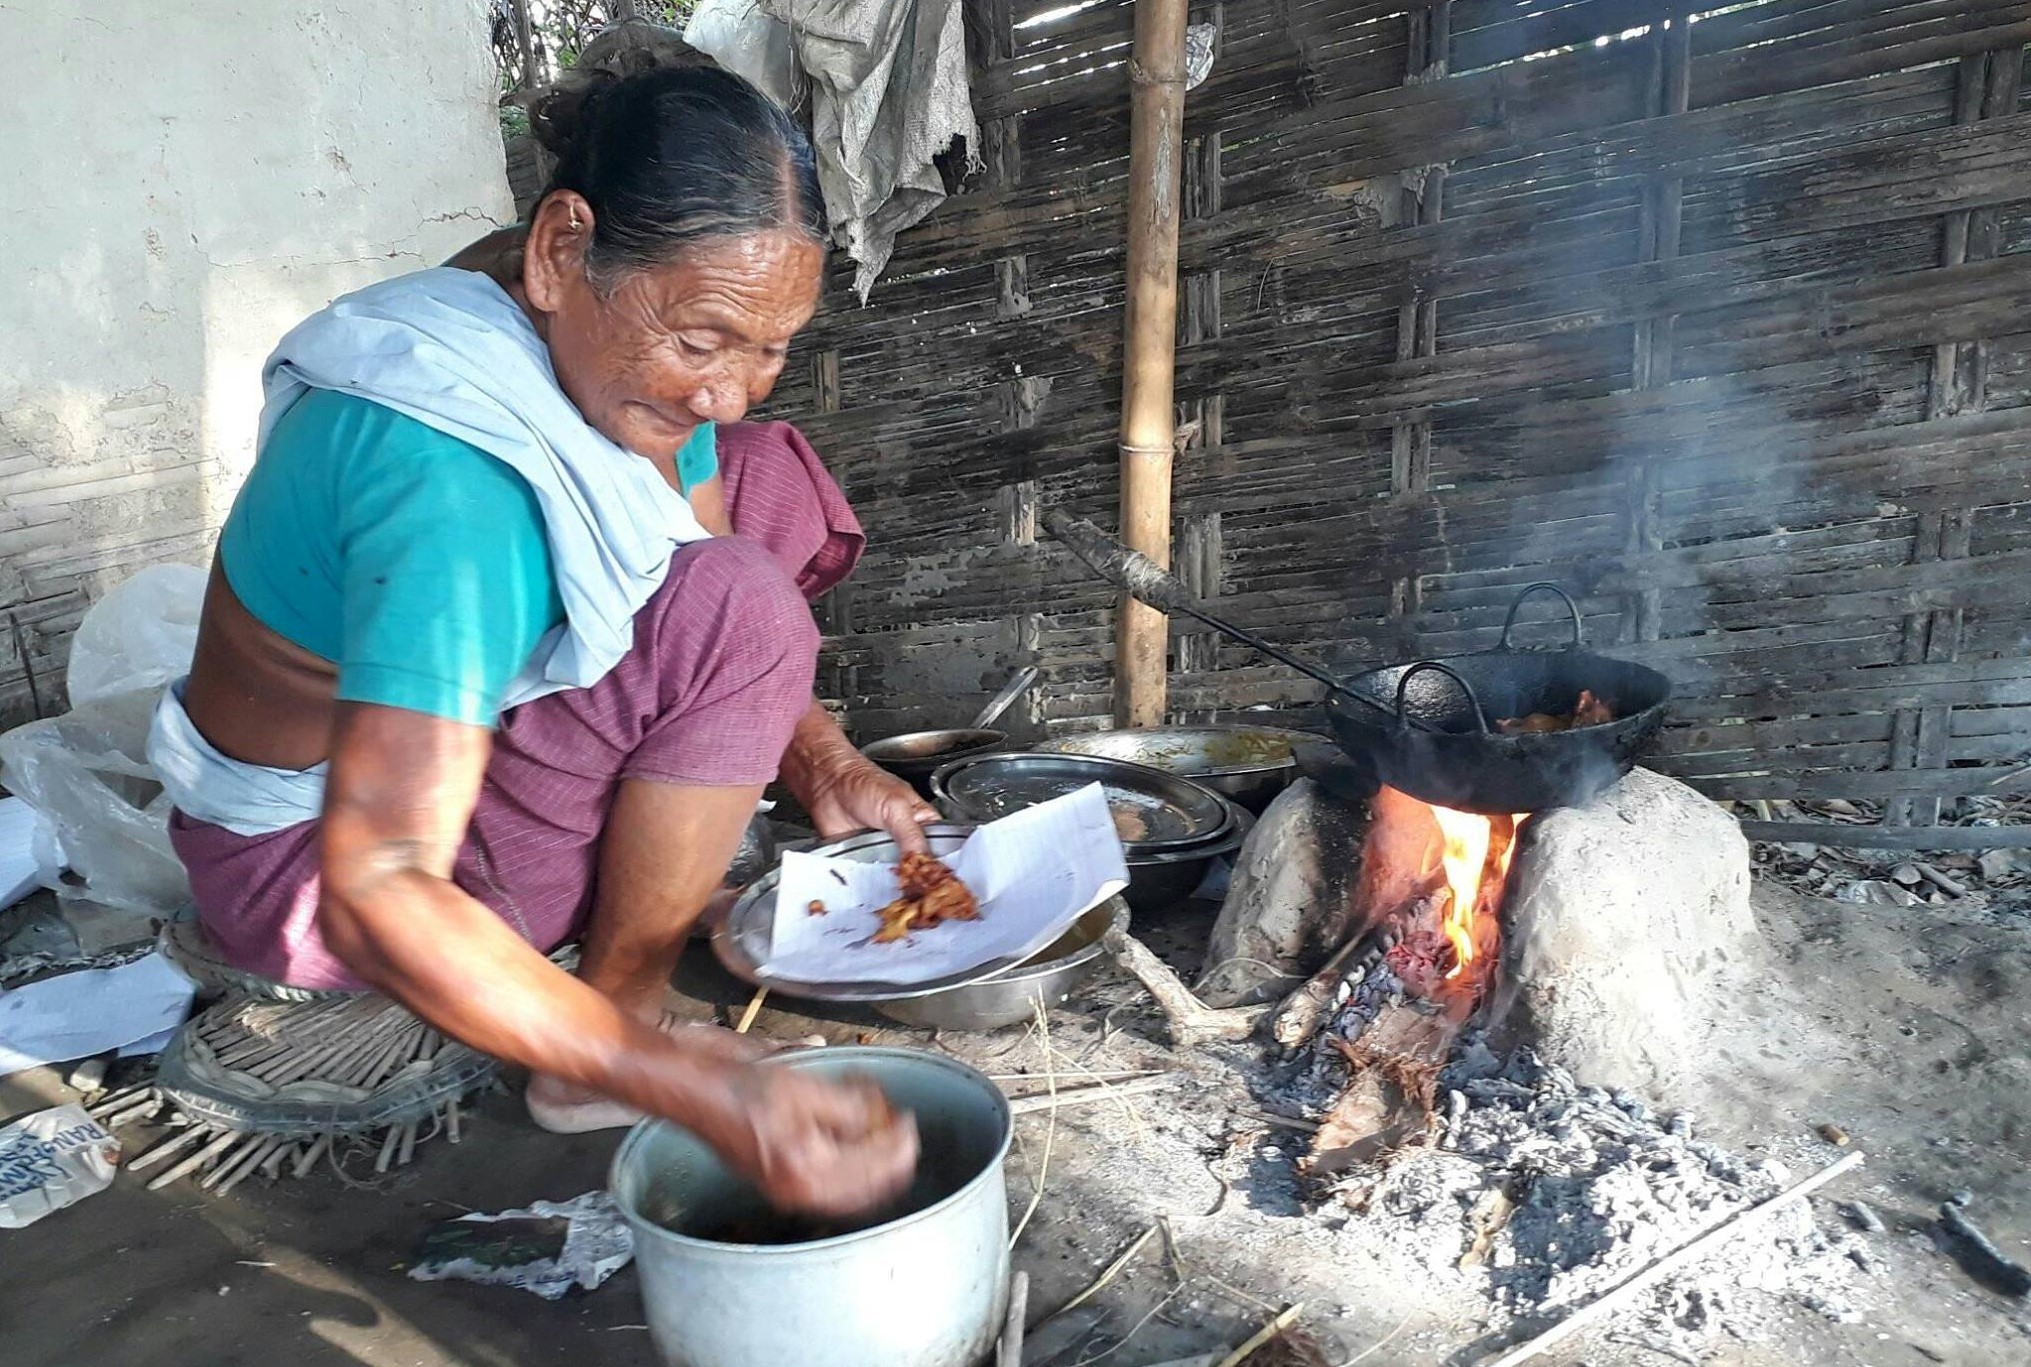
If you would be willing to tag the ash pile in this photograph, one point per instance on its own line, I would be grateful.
(1540, 1194)
(1626, 935)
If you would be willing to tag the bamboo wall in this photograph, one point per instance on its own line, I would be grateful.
(1722, 324)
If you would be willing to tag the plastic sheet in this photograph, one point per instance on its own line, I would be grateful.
(86, 773)
(140, 635)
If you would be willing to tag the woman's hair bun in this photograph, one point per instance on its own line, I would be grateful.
(627, 48)
(559, 116)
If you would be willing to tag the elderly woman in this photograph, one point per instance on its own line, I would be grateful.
(506, 634)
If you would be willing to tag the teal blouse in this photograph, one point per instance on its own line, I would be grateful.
(415, 562)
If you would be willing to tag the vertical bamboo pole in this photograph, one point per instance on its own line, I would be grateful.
(1156, 71)
(525, 38)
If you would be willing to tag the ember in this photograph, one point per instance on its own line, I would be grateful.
(1433, 879)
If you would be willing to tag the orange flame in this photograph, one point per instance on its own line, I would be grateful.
(1468, 838)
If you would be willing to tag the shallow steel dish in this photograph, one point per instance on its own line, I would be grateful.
(1250, 764)
(1162, 811)
(741, 941)
(1161, 880)
(1010, 997)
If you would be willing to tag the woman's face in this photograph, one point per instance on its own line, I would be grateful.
(666, 349)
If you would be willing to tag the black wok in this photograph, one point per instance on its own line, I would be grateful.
(1428, 728)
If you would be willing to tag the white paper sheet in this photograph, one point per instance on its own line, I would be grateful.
(77, 1015)
(1033, 873)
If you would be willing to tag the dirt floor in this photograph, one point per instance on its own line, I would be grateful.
(1904, 1027)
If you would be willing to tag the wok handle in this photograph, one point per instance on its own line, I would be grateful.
(1403, 684)
(1509, 622)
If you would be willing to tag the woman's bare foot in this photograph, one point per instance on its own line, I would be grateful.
(564, 1108)
(561, 1108)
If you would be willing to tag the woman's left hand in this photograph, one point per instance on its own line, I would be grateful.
(853, 794)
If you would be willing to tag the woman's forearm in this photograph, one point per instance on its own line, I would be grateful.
(817, 750)
(453, 963)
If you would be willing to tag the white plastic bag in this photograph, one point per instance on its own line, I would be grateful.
(104, 816)
(52, 1159)
(140, 635)
(749, 43)
(86, 773)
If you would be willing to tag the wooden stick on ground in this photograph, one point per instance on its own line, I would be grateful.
(1074, 1096)
(1113, 1270)
(1263, 1335)
(1009, 1352)
(1192, 1022)
(1670, 1263)
(1051, 1132)
(1307, 1008)
(754, 1008)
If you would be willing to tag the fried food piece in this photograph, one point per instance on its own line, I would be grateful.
(932, 894)
(1129, 827)
(815, 907)
(1536, 724)
(1589, 711)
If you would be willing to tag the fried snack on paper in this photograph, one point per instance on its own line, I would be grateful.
(932, 894)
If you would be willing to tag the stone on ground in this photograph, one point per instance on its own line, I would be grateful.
(1628, 933)
(1287, 900)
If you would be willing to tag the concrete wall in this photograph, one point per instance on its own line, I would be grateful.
(185, 181)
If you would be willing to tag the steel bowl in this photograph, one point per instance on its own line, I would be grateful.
(1159, 881)
(916, 755)
(1250, 764)
(1011, 996)
(1170, 813)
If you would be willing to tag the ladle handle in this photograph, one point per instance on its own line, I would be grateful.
(1403, 685)
(1005, 699)
(1509, 622)
(1144, 580)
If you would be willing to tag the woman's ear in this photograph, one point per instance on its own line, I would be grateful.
(554, 256)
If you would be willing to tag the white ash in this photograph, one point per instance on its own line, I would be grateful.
(1311, 1081)
(1603, 1186)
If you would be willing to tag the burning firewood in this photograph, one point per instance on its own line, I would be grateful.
(1390, 1106)
(1306, 1010)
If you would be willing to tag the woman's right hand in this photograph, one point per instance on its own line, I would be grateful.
(815, 1146)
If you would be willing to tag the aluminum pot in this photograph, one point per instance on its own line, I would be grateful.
(926, 1289)
(1010, 997)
